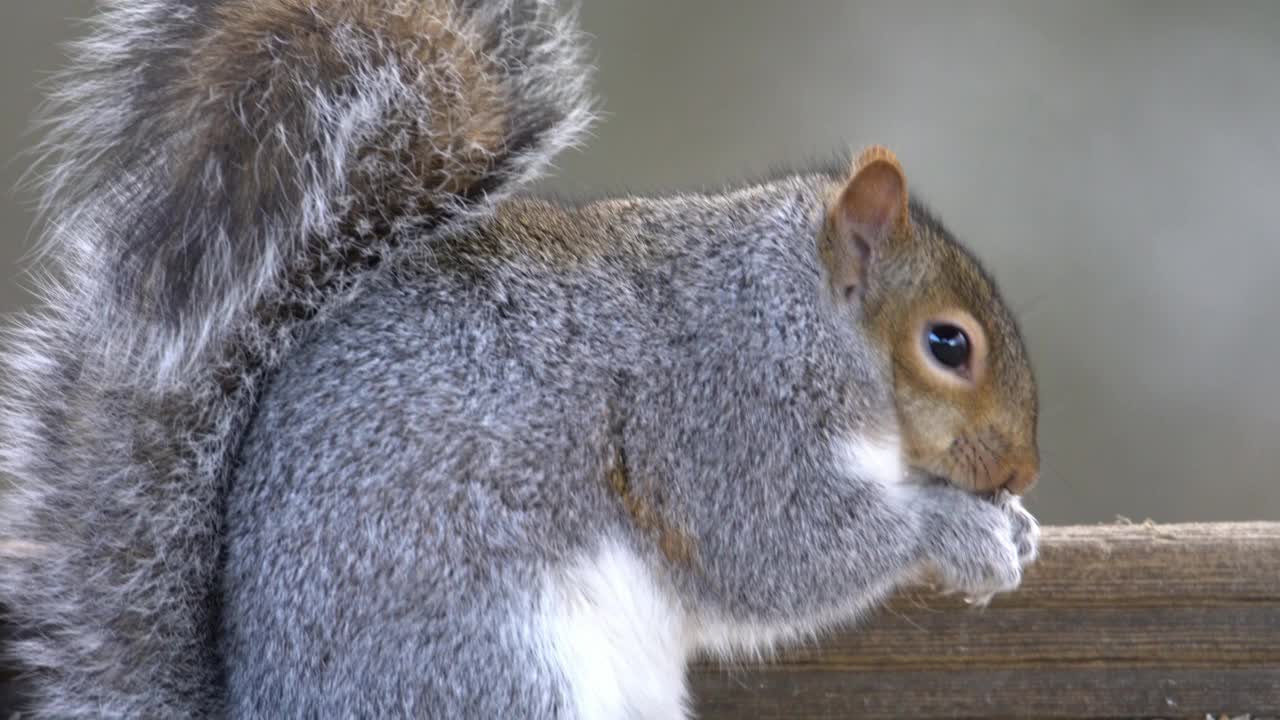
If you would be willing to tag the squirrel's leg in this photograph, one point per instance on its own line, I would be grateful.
(841, 549)
(862, 532)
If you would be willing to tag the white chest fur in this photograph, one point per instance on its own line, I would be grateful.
(877, 460)
(617, 638)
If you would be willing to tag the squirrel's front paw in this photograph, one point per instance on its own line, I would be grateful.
(979, 546)
(1026, 529)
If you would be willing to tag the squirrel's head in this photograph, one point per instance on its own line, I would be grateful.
(965, 393)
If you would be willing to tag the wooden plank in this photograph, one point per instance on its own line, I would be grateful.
(1115, 621)
(1136, 564)
(1215, 636)
(810, 694)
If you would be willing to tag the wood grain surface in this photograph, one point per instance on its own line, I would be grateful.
(1114, 621)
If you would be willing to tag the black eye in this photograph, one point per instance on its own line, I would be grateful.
(949, 345)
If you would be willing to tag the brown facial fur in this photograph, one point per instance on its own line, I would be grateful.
(978, 435)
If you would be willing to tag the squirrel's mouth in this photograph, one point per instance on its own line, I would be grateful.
(929, 477)
(923, 476)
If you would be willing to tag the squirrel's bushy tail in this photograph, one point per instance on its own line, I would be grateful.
(219, 174)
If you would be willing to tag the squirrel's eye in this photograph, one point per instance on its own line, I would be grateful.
(949, 345)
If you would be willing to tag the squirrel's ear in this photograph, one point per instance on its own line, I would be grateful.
(868, 212)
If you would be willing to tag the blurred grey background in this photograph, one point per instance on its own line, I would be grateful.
(1116, 163)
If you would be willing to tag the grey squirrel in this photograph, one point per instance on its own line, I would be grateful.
(319, 419)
